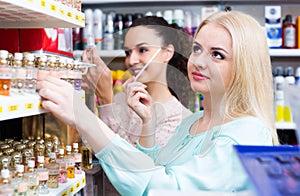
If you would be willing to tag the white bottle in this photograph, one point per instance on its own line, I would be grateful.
(98, 28)
(168, 16)
(88, 29)
(178, 17)
(108, 42)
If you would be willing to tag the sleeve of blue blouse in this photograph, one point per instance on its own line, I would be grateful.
(134, 173)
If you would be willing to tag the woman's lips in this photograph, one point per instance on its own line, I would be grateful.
(199, 76)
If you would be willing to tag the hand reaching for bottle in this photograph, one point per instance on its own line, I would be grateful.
(98, 79)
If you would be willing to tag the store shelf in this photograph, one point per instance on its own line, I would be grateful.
(38, 14)
(16, 106)
(284, 52)
(273, 53)
(70, 188)
(140, 1)
(103, 53)
(285, 125)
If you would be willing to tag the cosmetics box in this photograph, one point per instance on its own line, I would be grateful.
(51, 40)
(273, 26)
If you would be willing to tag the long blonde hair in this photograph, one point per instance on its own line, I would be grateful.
(251, 88)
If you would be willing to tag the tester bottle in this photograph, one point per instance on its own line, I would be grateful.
(19, 182)
(62, 178)
(5, 74)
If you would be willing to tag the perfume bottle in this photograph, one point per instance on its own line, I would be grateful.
(70, 162)
(53, 169)
(5, 73)
(32, 178)
(42, 175)
(18, 74)
(62, 178)
(19, 182)
(78, 158)
(31, 74)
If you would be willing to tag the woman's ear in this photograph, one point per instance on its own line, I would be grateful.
(169, 52)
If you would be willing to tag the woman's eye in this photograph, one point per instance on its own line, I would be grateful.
(142, 50)
(196, 49)
(127, 53)
(217, 55)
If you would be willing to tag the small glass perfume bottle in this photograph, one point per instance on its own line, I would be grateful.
(53, 169)
(19, 182)
(32, 178)
(31, 74)
(78, 158)
(5, 74)
(70, 162)
(43, 176)
(18, 74)
(62, 178)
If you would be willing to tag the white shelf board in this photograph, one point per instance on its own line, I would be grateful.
(70, 188)
(273, 53)
(38, 14)
(103, 53)
(16, 106)
(284, 52)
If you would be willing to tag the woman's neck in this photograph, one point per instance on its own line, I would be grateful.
(159, 92)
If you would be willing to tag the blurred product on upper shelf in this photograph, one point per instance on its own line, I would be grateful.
(298, 31)
(72, 3)
(289, 32)
(273, 26)
(108, 28)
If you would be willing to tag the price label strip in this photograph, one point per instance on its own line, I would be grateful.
(29, 106)
(13, 108)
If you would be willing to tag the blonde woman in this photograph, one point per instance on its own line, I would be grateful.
(233, 72)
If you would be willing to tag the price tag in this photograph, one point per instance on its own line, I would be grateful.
(53, 7)
(62, 11)
(43, 3)
(77, 185)
(40, 106)
(77, 17)
(28, 106)
(69, 14)
(1, 109)
(13, 108)
(72, 189)
(83, 180)
(64, 193)
(30, 1)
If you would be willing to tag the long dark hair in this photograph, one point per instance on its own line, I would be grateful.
(174, 35)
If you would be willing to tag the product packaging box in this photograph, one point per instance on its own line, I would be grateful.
(298, 31)
(9, 40)
(273, 26)
(50, 40)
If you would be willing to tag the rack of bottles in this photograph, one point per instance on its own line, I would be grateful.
(37, 166)
(18, 75)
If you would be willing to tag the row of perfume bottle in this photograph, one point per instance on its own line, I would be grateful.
(37, 176)
(20, 71)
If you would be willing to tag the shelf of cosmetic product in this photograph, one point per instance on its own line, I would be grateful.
(103, 53)
(70, 188)
(120, 53)
(285, 125)
(284, 52)
(22, 105)
(39, 14)
(174, 1)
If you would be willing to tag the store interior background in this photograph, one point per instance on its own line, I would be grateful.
(39, 125)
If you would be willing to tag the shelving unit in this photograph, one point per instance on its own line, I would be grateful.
(38, 14)
(70, 188)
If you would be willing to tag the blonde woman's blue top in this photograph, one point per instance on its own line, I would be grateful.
(205, 161)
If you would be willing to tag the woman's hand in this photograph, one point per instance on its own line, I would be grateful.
(138, 99)
(60, 98)
(98, 79)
